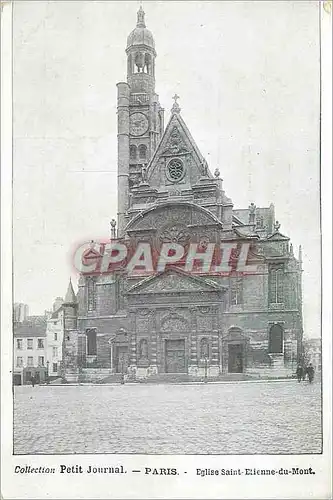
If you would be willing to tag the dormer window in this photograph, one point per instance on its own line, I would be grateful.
(259, 221)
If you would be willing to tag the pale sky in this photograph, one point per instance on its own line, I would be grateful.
(248, 77)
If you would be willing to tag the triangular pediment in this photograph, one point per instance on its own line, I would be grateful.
(173, 281)
(177, 147)
(277, 236)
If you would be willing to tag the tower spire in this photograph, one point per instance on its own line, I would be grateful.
(140, 18)
(70, 295)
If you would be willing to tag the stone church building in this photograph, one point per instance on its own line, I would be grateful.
(174, 323)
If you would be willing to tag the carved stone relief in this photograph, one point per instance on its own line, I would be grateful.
(175, 144)
(174, 323)
(174, 233)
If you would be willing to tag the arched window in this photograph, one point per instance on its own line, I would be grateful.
(143, 152)
(91, 342)
(91, 294)
(276, 275)
(204, 348)
(139, 62)
(275, 341)
(133, 152)
(148, 63)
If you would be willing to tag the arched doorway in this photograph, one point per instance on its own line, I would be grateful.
(234, 351)
(275, 340)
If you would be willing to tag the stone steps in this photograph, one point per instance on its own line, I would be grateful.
(115, 378)
(169, 378)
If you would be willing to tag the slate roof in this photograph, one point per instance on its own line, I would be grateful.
(33, 326)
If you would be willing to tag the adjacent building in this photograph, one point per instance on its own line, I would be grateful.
(55, 335)
(172, 322)
(29, 350)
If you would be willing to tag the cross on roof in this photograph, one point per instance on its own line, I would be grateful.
(175, 97)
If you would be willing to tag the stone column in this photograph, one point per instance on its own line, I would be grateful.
(214, 359)
(132, 343)
(153, 343)
(111, 356)
(123, 154)
(193, 362)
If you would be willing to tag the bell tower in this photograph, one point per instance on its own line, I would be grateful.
(140, 115)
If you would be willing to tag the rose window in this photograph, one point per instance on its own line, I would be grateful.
(175, 170)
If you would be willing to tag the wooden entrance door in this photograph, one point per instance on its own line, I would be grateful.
(121, 359)
(175, 356)
(235, 358)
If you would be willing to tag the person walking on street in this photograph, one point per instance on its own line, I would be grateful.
(304, 372)
(33, 381)
(299, 372)
(310, 371)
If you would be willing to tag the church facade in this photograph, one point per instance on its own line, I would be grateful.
(174, 322)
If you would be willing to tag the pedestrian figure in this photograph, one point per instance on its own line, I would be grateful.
(299, 373)
(310, 371)
(122, 379)
(33, 381)
(304, 370)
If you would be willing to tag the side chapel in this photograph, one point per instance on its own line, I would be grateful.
(174, 323)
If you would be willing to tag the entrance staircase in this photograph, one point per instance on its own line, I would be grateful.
(181, 378)
(104, 376)
(166, 378)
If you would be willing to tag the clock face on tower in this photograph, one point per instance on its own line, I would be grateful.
(138, 124)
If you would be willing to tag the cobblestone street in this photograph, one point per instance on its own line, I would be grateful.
(229, 418)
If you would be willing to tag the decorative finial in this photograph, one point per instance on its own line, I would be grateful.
(113, 225)
(141, 18)
(252, 211)
(291, 250)
(175, 108)
(277, 226)
(300, 254)
(252, 208)
(217, 173)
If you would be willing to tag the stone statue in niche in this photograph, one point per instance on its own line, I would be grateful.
(144, 174)
(143, 349)
(204, 348)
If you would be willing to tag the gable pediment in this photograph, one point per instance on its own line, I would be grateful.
(176, 150)
(277, 236)
(174, 281)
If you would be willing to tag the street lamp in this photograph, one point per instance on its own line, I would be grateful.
(47, 372)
